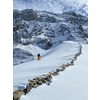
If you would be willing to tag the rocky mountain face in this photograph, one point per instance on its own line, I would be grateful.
(21, 56)
(44, 28)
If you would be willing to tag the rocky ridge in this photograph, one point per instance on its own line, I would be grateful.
(44, 29)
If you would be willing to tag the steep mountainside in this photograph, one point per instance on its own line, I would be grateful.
(43, 29)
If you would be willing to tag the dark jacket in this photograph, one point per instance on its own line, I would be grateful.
(38, 55)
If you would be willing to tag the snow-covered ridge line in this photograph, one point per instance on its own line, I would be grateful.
(45, 78)
(58, 6)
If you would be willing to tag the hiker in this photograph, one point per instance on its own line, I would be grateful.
(39, 56)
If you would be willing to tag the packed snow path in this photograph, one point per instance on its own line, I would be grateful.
(72, 84)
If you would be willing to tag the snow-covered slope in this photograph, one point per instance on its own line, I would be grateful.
(72, 84)
(55, 29)
(57, 6)
(50, 60)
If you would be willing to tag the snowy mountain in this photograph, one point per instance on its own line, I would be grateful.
(58, 30)
(57, 6)
(43, 29)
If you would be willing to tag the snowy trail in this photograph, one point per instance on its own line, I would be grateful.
(51, 60)
(72, 84)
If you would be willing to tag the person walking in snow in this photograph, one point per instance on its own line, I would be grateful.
(39, 56)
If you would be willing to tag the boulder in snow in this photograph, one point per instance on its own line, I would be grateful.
(21, 56)
(17, 94)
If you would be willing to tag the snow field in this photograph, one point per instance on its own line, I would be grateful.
(71, 84)
(50, 60)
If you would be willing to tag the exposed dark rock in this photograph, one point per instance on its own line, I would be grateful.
(39, 82)
(72, 62)
(21, 56)
(28, 89)
(45, 43)
(16, 14)
(47, 18)
(69, 13)
(44, 80)
(37, 78)
(66, 65)
(63, 67)
(17, 94)
(28, 15)
(49, 78)
(81, 28)
(35, 86)
(17, 27)
(32, 83)
(63, 28)
(56, 73)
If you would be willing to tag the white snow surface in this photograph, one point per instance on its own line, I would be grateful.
(71, 84)
(50, 60)
(57, 6)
